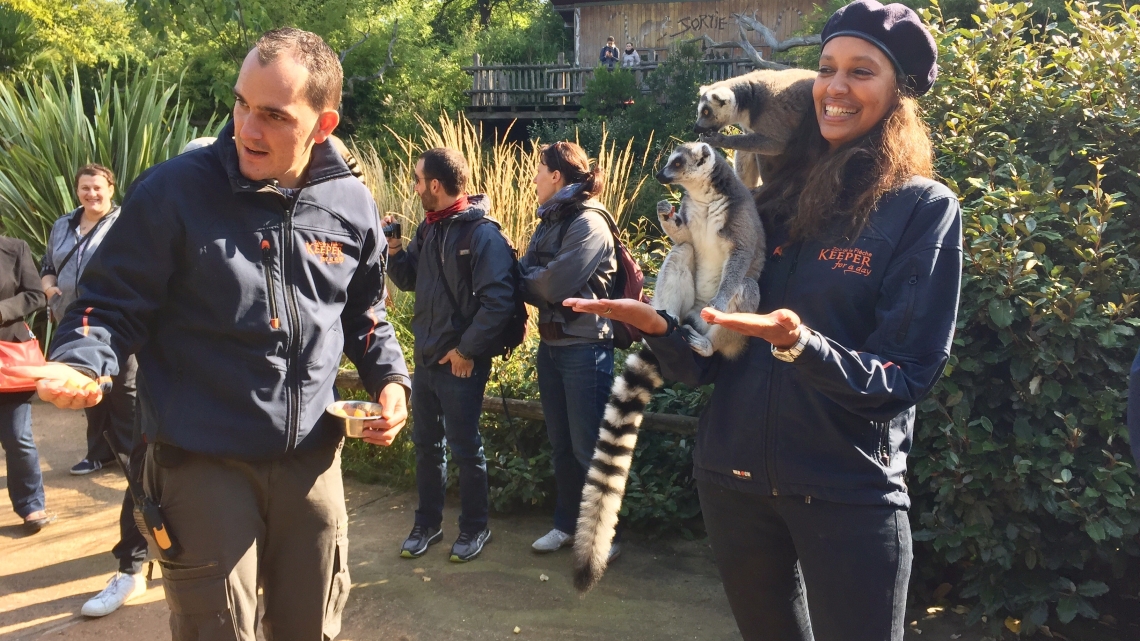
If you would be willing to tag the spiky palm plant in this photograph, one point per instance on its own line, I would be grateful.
(46, 134)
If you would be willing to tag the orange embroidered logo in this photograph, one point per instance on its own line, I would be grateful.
(849, 259)
(329, 252)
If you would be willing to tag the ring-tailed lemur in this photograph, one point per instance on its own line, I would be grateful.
(768, 105)
(718, 252)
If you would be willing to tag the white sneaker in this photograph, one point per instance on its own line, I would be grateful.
(615, 552)
(120, 589)
(552, 540)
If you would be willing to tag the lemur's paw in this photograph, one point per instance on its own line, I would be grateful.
(699, 342)
(665, 209)
(715, 138)
(721, 304)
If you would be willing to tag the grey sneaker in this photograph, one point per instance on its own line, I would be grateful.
(418, 542)
(615, 552)
(468, 546)
(552, 541)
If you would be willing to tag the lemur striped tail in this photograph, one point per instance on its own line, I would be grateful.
(609, 470)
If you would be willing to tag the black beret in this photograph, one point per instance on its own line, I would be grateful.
(898, 31)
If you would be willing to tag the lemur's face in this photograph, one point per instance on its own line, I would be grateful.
(690, 162)
(716, 109)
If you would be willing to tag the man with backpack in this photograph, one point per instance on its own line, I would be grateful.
(464, 273)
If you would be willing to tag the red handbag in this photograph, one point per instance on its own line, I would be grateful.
(19, 354)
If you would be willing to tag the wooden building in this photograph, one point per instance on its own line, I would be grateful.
(652, 25)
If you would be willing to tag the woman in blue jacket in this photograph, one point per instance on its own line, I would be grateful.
(801, 455)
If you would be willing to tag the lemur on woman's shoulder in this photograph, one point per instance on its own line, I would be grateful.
(769, 106)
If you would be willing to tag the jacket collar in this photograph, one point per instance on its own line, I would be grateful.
(324, 165)
(77, 214)
(478, 206)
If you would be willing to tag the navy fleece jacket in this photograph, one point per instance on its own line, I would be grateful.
(837, 423)
(239, 300)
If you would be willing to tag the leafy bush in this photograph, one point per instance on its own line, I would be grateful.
(1025, 492)
(658, 116)
(46, 134)
(608, 93)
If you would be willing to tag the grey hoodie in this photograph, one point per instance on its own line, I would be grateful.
(584, 266)
(485, 296)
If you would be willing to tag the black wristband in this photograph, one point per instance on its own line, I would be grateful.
(669, 320)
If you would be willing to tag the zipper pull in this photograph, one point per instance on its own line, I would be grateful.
(267, 264)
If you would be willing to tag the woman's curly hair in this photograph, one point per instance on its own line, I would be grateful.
(830, 196)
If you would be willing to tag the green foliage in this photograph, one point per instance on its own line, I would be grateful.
(36, 34)
(46, 135)
(662, 113)
(608, 93)
(20, 46)
(1023, 484)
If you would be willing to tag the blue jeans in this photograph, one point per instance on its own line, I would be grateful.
(445, 412)
(25, 484)
(574, 382)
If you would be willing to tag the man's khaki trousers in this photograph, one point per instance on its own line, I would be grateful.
(277, 525)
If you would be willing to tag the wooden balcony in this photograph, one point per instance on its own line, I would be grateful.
(554, 91)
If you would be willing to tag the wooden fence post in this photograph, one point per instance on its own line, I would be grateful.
(476, 82)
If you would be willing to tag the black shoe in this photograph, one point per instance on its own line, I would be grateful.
(418, 542)
(468, 546)
(86, 467)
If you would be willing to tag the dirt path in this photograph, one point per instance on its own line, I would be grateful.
(662, 590)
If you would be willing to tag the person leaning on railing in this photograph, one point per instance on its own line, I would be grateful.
(571, 254)
(630, 58)
(801, 455)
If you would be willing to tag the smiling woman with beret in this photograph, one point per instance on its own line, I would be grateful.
(802, 451)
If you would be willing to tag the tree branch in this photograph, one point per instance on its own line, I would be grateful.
(769, 38)
(344, 54)
(379, 75)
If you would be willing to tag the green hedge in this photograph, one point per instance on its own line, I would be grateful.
(1024, 487)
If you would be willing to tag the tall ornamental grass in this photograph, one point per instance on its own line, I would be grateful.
(660, 496)
(50, 126)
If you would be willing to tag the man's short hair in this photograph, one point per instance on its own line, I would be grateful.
(449, 167)
(610, 39)
(326, 77)
(95, 169)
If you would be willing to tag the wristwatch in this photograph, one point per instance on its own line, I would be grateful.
(791, 353)
(670, 322)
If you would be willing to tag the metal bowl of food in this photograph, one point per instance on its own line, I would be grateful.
(354, 414)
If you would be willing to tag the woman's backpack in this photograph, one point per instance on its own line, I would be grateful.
(629, 282)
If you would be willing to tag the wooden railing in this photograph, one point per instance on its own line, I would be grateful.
(555, 90)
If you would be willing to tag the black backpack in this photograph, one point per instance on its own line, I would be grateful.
(514, 331)
(628, 282)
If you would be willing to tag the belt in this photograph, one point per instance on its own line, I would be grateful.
(552, 331)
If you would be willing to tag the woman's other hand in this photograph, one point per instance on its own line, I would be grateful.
(624, 310)
(780, 328)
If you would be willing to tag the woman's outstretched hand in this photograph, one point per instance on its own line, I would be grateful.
(625, 310)
(780, 328)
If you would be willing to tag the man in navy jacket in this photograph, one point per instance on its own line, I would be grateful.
(239, 273)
